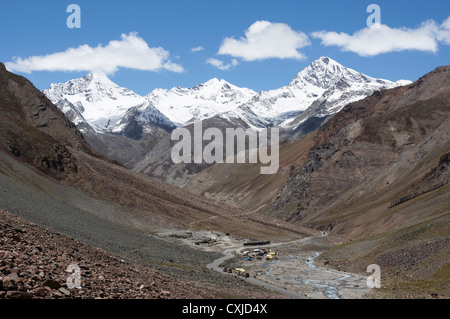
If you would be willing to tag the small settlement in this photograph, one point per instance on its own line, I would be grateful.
(258, 254)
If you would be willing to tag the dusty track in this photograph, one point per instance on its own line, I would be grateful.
(230, 253)
(294, 273)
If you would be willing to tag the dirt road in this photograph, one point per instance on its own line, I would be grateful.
(230, 253)
(296, 275)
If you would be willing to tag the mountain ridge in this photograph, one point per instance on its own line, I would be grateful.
(215, 97)
(390, 147)
(327, 88)
(317, 93)
(376, 174)
(57, 153)
(324, 81)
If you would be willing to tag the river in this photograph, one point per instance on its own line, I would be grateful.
(297, 275)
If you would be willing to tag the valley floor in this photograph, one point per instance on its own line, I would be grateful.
(292, 271)
(36, 263)
(60, 214)
(70, 223)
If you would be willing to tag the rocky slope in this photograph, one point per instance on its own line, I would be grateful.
(35, 131)
(158, 162)
(377, 174)
(59, 150)
(125, 126)
(114, 120)
(316, 94)
(243, 185)
(34, 263)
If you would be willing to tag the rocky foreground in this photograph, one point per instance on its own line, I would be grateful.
(34, 264)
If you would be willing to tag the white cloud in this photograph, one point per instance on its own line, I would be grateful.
(265, 40)
(197, 49)
(131, 51)
(443, 33)
(221, 65)
(384, 39)
(446, 24)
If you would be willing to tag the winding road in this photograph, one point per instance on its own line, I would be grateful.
(230, 253)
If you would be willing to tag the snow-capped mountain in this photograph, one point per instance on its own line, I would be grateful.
(106, 107)
(126, 126)
(146, 116)
(321, 89)
(186, 105)
(114, 120)
(94, 99)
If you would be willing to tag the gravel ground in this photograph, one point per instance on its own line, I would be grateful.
(37, 263)
(90, 224)
(294, 268)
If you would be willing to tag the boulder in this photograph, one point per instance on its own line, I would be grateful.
(18, 295)
(52, 284)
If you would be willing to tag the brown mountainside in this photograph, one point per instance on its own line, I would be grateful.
(378, 174)
(369, 146)
(35, 132)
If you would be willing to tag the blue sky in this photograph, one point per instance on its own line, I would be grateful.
(414, 39)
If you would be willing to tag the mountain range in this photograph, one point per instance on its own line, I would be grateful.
(315, 95)
(125, 126)
(53, 178)
(322, 89)
(370, 182)
(376, 173)
(94, 99)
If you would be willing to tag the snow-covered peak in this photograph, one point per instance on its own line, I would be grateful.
(98, 77)
(324, 80)
(95, 86)
(185, 105)
(403, 82)
(325, 72)
(214, 81)
(147, 116)
(101, 101)
(321, 89)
